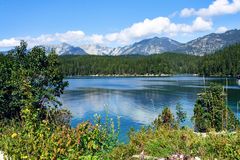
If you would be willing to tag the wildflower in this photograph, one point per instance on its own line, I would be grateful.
(27, 110)
(14, 135)
(24, 157)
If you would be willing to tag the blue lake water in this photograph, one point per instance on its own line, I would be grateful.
(138, 101)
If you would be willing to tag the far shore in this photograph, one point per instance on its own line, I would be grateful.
(128, 75)
(147, 75)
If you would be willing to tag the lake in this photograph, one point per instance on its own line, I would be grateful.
(138, 100)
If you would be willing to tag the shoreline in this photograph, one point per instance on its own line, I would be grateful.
(129, 75)
(150, 75)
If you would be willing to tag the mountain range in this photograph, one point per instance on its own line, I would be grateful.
(203, 45)
(65, 49)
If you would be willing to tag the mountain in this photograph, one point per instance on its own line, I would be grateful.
(203, 45)
(210, 43)
(119, 51)
(96, 49)
(65, 49)
(149, 46)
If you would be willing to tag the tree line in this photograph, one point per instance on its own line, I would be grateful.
(221, 63)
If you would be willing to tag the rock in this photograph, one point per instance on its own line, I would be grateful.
(1, 155)
(141, 157)
(172, 157)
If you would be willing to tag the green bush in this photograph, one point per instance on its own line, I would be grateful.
(24, 140)
(164, 142)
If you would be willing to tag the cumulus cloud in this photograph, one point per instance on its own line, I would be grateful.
(69, 37)
(186, 12)
(148, 27)
(8, 42)
(158, 26)
(218, 7)
(96, 38)
(221, 29)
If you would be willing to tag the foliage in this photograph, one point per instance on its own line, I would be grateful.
(180, 114)
(167, 63)
(29, 79)
(211, 111)
(164, 142)
(223, 62)
(166, 119)
(24, 140)
(31, 125)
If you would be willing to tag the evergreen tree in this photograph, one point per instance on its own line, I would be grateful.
(166, 119)
(211, 111)
(180, 114)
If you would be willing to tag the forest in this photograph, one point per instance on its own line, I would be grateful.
(221, 63)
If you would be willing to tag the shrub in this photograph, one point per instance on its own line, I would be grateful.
(164, 142)
(24, 140)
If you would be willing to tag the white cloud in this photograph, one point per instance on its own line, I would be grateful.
(221, 29)
(96, 38)
(139, 30)
(157, 26)
(186, 12)
(200, 24)
(68, 37)
(148, 27)
(218, 7)
(9, 42)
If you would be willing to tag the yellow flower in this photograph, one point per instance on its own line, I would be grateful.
(24, 157)
(14, 135)
(27, 110)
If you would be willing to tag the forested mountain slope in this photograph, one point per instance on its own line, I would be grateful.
(223, 62)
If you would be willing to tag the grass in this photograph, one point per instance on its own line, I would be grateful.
(163, 142)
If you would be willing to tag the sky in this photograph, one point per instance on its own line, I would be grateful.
(112, 22)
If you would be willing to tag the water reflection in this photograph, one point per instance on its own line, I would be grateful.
(137, 101)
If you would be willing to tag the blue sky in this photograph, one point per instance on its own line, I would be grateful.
(112, 22)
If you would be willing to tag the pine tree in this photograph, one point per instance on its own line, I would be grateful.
(211, 111)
